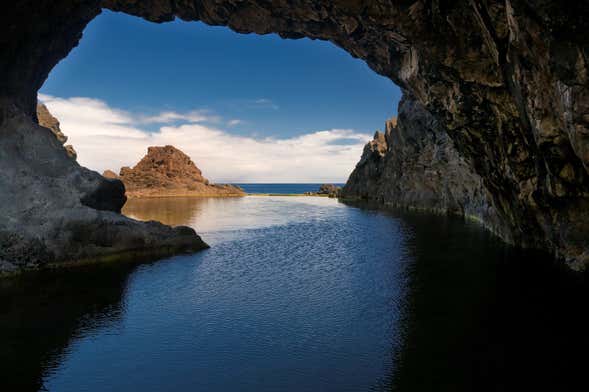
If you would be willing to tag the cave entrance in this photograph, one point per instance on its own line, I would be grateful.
(245, 108)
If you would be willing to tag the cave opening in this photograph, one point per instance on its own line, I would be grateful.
(493, 127)
(245, 108)
(469, 69)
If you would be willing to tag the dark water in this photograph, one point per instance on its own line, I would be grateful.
(281, 189)
(301, 294)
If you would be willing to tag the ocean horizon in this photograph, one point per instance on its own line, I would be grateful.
(281, 188)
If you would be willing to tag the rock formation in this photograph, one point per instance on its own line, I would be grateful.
(329, 190)
(168, 172)
(48, 121)
(506, 81)
(110, 175)
(54, 211)
(414, 164)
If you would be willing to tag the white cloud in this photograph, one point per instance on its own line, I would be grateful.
(108, 138)
(265, 103)
(234, 122)
(195, 116)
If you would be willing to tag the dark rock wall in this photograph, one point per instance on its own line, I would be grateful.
(507, 81)
(414, 164)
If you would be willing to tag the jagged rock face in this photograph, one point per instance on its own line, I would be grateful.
(47, 120)
(167, 171)
(414, 164)
(507, 80)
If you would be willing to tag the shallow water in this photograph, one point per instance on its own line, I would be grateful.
(300, 294)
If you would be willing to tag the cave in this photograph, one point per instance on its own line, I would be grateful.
(500, 86)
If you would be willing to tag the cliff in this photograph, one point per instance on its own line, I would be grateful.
(414, 164)
(506, 81)
(168, 172)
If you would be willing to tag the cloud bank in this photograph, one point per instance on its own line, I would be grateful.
(109, 138)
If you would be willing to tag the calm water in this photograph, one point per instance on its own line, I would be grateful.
(281, 189)
(300, 294)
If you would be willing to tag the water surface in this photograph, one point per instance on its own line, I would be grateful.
(300, 294)
(281, 189)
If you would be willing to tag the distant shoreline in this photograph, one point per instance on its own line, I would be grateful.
(221, 196)
(285, 194)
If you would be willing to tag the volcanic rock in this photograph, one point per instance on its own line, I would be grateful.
(168, 172)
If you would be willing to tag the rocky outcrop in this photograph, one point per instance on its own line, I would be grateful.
(506, 80)
(168, 172)
(414, 164)
(48, 121)
(329, 190)
(55, 212)
(110, 175)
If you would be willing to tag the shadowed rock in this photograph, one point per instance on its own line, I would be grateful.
(415, 164)
(54, 211)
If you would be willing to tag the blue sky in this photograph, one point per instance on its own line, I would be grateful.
(260, 87)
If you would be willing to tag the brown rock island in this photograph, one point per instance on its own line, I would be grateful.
(168, 172)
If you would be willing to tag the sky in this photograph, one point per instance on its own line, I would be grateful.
(246, 108)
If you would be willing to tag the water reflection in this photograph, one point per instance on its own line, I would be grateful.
(222, 219)
(301, 294)
(482, 316)
(41, 314)
(177, 211)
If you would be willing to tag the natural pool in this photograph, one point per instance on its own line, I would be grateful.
(300, 294)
